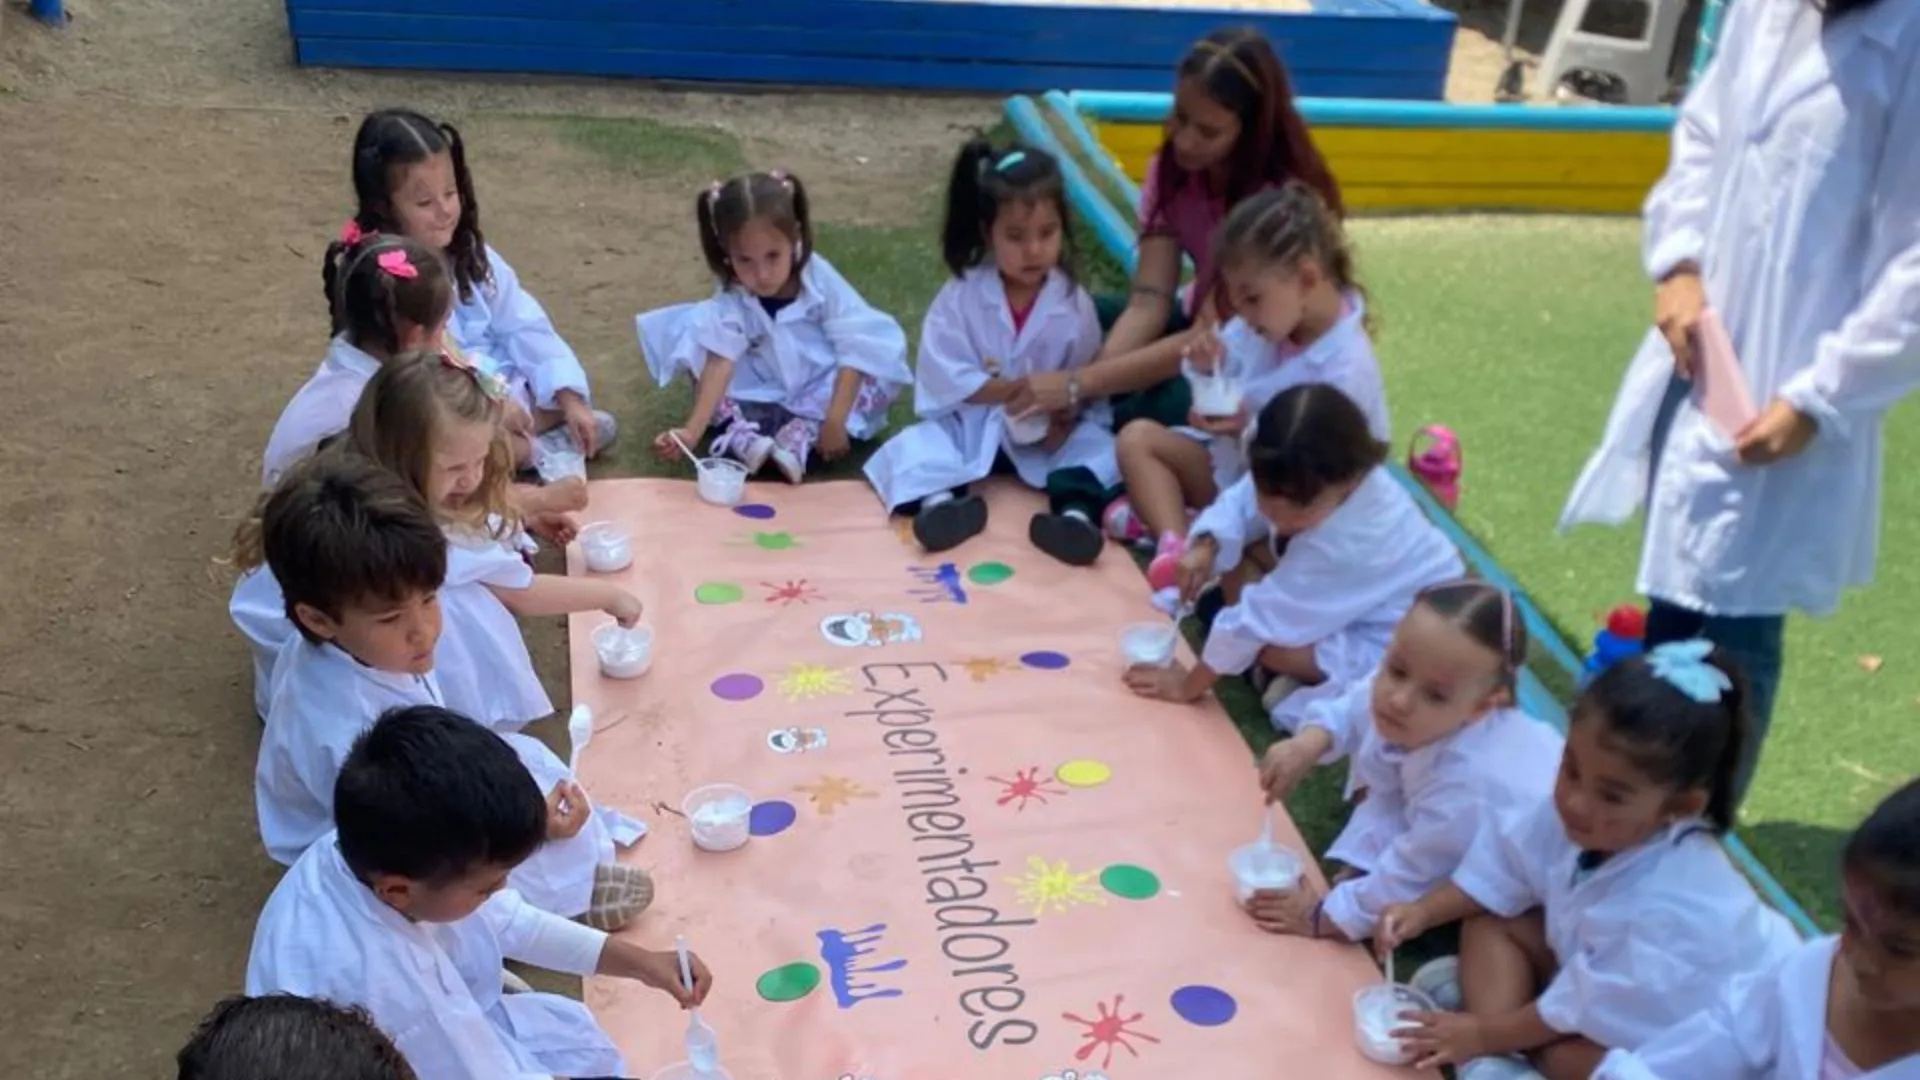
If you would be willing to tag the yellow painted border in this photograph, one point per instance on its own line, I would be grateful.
(1382, 168)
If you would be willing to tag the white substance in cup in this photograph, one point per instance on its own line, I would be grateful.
(1219, 396)
(1379, 1011)
(1148, 644)
(606, 548)
(623, 653)
(721, 481)
(1258, 866)
(719, 815)
(1028, 430)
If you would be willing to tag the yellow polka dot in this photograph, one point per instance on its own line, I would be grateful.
(1084, 773)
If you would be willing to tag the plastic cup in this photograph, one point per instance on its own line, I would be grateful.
(721, 481)
(1027, 430)
(1148, 644)
(1259, 866)
(623, 653)
(557, 465)
(718, 815)
(1379, 1010)
(607, 549)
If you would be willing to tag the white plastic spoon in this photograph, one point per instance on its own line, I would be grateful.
(703, 1049)
(684, 448)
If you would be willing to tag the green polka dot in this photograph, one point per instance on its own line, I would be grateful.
(775, 541)
(789, 983)
(989, 573)
(718, 592)
(1129, 882)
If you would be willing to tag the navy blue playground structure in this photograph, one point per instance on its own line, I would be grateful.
(1394, 49)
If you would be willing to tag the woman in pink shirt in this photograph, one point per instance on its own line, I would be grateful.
(1233, 131)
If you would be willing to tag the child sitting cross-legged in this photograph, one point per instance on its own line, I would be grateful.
(363, 563)
(404, 910)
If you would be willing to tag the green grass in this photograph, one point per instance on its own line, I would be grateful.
(1513, 331)
(647, 146)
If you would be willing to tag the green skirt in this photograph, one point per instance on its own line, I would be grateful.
(1168, 402)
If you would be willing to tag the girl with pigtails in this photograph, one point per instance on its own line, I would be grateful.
(787, 358)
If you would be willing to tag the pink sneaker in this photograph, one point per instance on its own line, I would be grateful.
(1164, 571)
(791, 445)
(1438, 464)
(1122, 524)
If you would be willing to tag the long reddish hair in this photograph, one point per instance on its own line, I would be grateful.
(1238, 70)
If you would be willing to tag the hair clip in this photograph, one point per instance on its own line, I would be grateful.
(397, 264)
(784, 178)
(1683, 665)
(351, 233)
(1012, 158)
(489, 383)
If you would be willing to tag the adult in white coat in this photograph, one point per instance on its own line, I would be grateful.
(401, 911)
(1791, 210)
(1841, 1007)
(1012, 310)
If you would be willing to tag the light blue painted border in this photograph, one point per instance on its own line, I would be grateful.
(1112, 231)
(1142, 108)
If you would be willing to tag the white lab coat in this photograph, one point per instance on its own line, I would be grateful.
(433, 987)
(322, 700)
(1341, 587)
(1792, 185)
(481, 660)
(1342, 357)
(559, 876)
(1768, 1025)
(1650, 937)
(319, 409)
(967, 338)
(1424, 807)
(259, 609)
(504, 331)
(791, 359)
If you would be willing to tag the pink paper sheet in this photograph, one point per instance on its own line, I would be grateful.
(1000, 866)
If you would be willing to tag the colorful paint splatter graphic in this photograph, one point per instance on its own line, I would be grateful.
(1056, 886)
(1026, 786)
(1109, 1030)
(791, 592)
(830, 793)
(982, 668)
(849, 977)
(804, 682)
(938, 584)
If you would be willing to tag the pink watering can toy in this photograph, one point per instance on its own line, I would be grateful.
(1438, 464)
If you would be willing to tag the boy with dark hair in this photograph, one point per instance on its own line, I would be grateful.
(282, 1037)
(403, 911)
(360, 560)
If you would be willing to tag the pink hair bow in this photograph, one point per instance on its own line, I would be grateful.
(397, 264)
(351, 233)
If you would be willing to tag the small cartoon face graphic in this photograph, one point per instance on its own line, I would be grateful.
(796, 740)
(870, 629)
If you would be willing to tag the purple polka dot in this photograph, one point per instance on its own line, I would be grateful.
(738, 686)
(756, 511)
(771, 817)
(1045, 661)
(1204, 1006)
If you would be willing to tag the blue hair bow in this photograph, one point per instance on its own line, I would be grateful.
(1012, 158)
(1683, 665)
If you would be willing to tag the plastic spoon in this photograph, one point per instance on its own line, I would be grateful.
(703, 1049)
(1266, 828)
(684, 448)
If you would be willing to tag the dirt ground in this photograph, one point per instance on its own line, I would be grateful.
(167, 182)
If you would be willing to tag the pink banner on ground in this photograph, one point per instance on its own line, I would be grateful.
(975, 855)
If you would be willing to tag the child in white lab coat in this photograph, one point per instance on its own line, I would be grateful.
(786, 356)
(289, 1038)
(410, 176)
(390, 295)
(364, 567)
(406, 911)
(1012, 309)
(1840, 1008)
(1610, 913)
(1437, 748)
(1301, 317)
(1357, 552)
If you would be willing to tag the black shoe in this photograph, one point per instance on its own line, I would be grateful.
(949, 524)
(1208, 607)
(1073, 540)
